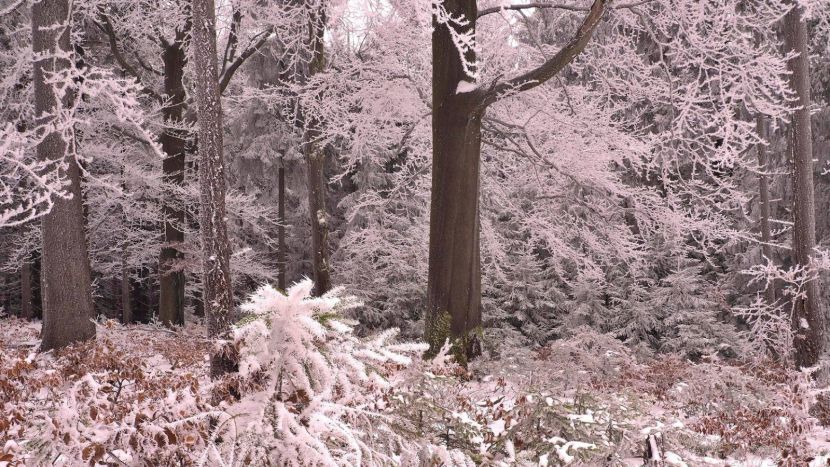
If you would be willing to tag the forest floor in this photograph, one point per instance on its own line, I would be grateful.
(135, 395)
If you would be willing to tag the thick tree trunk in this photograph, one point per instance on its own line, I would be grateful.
(763, 188)
(26, 290)
(454, 280)
(218, 298)
(315, 158)
(808, 319)
(66, 283)
(171, 282)
(281, 228)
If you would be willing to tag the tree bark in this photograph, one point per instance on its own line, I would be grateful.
(173, 143)
(126, 305)
(26, 291)
(66, 280)
(807, 319)
(454, 277)
(315, 158)
(218, 298)
(281, 228)
(317, 209)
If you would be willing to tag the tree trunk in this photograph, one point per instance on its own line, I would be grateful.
(173, 143)
(218, 298)
(315, 159)
(281, 228)
(126, 305)
(317, 208)
(66, 282)
(807, 319)
(26, 291)
(454, 279)
(763, 188)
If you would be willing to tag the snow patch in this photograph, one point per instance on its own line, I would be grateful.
(465, 86)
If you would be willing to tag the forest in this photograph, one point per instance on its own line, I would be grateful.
(414, 233)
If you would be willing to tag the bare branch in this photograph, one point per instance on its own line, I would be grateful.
(225, 78)
(233, 39)
(113, 40)
(554, 6)
(552, 67)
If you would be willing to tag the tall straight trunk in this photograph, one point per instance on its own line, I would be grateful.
(454, 278)
(126, 305)
(26, 290)
(458, 106)
(4, 296)
(807, 319)
(218, 298)
(317, 208)
(763, 188)
(315, 158)
(281, 228)
(173, 143)
(66, 281)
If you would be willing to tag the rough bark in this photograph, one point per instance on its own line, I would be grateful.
(317, 208)
(66, 283)
(281, 228)
(218, 298)
(173, 143)
(26, 290)
(454, 277)
(807, 319)
(126, 305)
(315, 158)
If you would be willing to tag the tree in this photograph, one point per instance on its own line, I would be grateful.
(281, 228)
(26, 291)
(174, 144)
(67, 286)
(129, 21)
(315, 157)
(218, 298)
(458, 107)
(173, 141)
(808, 321)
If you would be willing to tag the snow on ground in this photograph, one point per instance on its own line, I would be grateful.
(584, 401)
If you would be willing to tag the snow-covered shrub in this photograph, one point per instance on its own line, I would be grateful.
(321, 402)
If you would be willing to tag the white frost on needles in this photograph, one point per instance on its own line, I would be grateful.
(324, 384)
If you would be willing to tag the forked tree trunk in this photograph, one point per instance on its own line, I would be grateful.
(315, 158)
(218, 298)
(171, 281)
(454, 278)
(65, 275)
(807, 319)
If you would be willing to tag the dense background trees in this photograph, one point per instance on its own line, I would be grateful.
(598, 198)
(627, 166)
